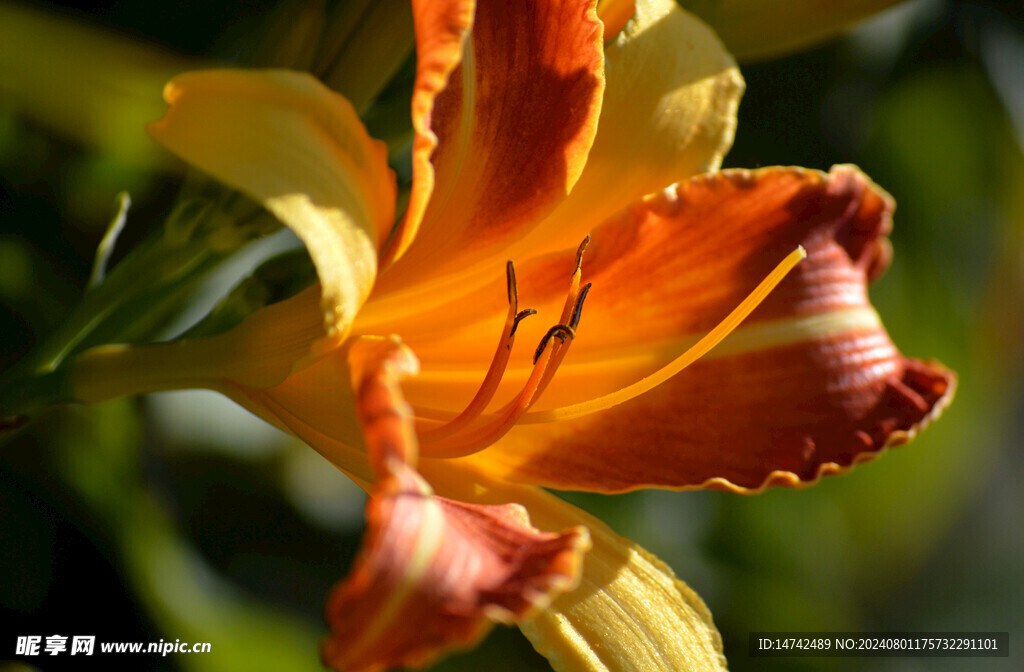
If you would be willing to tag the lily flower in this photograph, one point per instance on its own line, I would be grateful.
(595, 170)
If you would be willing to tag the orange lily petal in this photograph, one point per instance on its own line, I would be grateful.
(514, 126)
(433, 572)
(785, 416)
(809, 384)
(689, 254)
(298, 148)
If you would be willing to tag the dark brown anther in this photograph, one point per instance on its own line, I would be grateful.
(522, 314)
(579, 252)
(577, 310)
(510, 279)
(561, 331)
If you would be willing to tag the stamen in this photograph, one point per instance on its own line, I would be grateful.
(440, 442)
(699, 349)
(471, 441)
(494, 373)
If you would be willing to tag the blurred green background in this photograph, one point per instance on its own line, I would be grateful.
(179, 517)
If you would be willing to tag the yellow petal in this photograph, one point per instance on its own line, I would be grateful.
(659, 623)
(630, 612)
(669, 113)
(292, 144)
(758, 29)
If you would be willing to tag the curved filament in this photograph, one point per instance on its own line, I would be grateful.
(460, 437)
(497, 368)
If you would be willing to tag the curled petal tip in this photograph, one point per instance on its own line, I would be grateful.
(435, 573)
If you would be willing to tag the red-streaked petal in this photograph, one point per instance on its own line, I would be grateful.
(376, 365)
(433, 573)
(514, 126)
(666, 122)
(786, 415)
(673, 264)
(441, 28)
